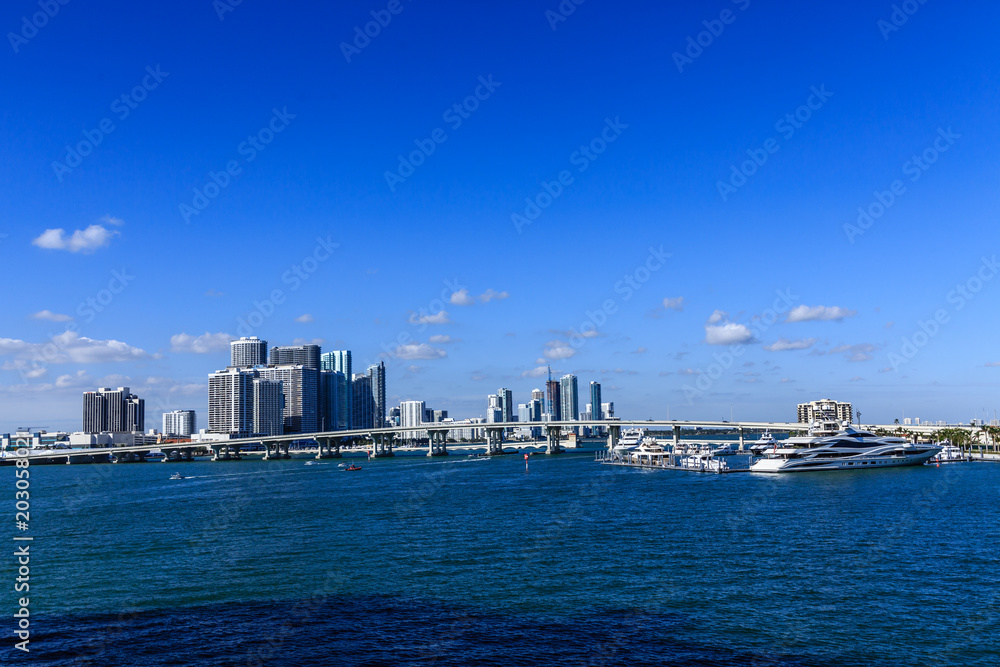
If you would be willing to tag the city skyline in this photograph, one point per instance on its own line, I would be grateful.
(697, 235)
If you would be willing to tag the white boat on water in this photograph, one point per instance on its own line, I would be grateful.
(949, 454)
(847, 449)
(764, 443)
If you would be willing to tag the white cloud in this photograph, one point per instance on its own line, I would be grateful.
(783, 345)
(717, 316)
(674, 303)
(727, 334)
(413, 368)
(419, 351)
(437, 318)
(856, 378)
(69, 346)
(305, 319)
(556, 349)
(203, 344)
(640, 350)
(539, 372)
(688, 371)
(86, 240)
(214, 293)
(442, 339)
(859, 352)
(809, 313)
(490, 295)
(993, 363)
(111, 220)
(50, 316)
(462, 298)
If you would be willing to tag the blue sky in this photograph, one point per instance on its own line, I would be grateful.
(249, 145)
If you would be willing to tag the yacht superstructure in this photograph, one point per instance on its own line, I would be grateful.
(846, 449)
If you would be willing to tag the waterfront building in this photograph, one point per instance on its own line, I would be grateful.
(824, 409)
(298, 355)
(411, 413)
(330, 384)
(340, 361)
(230, 401)
(506, 400)
(113, 411)
(180, 422)
(608, 410)
(377, 374)
(439, 416)
(300, 386)
(363, 402)
(394, 417)
(247, 351)
(595, 407)
(268, 407)
(554, 395)
(570, 397)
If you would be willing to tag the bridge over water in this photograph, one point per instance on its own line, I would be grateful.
(384, 440)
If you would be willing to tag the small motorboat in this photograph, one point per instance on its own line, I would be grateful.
(352, 468)
(341, 465)
(177, 475)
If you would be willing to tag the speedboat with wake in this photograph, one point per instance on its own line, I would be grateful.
(177, 475)
(848, 449)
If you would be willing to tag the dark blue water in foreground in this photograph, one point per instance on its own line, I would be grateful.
(464, 562)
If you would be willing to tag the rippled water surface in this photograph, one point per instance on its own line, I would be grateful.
(461, 561)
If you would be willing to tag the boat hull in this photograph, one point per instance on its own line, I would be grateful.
(850, 463)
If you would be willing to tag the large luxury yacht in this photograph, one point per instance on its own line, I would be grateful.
(846, 449)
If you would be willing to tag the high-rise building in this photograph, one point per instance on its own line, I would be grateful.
(554, 395)
(595, 404)
(268, 407)
(247, 351)
(113, 411)
(608, 410)
(411, 413)
(538, 395)
(363, 402)
(135, 415)
(300, 386)
(180, 422)
(340, 361)
(330, 384)
(506, 404)
(570, 397)
(377, 374)
(494, 411)
(94, 412)
(298, 355)
(824, 409)
(230, 401)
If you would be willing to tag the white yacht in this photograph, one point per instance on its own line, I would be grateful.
(847, 449)
(764, 443)
(630, 439)
(949, 454)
